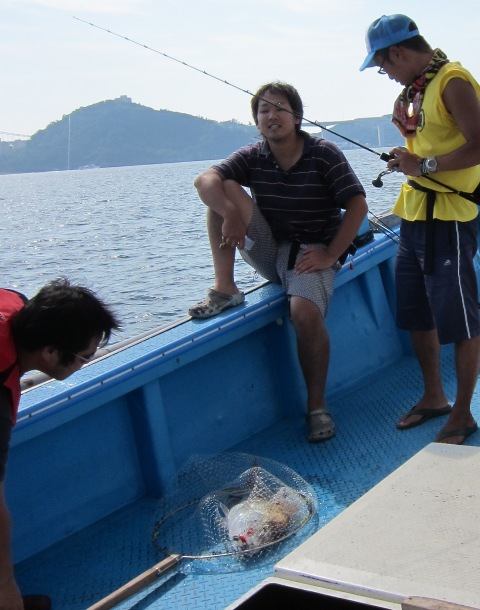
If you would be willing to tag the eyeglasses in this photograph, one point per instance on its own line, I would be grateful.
(380, 69)
(83, 358)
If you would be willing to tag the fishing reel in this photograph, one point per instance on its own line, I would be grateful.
(378, 182)
(385, 157)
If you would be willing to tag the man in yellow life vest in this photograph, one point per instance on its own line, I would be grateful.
(438, 112)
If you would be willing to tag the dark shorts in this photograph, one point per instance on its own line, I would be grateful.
(448, 298)
(270, 259)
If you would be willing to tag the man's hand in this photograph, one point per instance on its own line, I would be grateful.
(233, 232)
(10, 598)
(405, 161)
(314, 259)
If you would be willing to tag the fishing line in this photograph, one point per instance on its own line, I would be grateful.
(383, 227)
(383, 156)
(473, 197)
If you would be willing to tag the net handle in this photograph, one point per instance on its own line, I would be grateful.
(137, 584)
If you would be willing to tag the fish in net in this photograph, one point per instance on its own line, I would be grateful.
(255, 511)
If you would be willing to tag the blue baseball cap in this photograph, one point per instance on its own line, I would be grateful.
(385, 32)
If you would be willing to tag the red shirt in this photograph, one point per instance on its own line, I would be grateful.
(10, 303)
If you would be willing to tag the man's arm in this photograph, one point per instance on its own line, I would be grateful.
(314, 259)
(462, 102)
(10, 598)
(356, 209)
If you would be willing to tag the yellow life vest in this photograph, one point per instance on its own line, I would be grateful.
(438, 134)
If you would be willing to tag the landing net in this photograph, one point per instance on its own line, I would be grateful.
(233, 511)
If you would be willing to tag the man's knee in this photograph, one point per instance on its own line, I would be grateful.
(305, 314)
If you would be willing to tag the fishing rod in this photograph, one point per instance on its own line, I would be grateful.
(474, 197)
(383, 156)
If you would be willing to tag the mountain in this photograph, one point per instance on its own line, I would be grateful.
(373, 132)
(119, 132)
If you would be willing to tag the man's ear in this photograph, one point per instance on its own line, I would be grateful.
(49, 354)
(396, 52)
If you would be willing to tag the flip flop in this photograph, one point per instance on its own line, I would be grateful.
(425, 414)
(466, 431)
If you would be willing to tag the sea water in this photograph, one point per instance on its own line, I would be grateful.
(135, 235)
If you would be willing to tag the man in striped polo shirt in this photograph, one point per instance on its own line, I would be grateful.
(291, 230)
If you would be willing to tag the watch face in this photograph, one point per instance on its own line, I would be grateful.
(431, 164)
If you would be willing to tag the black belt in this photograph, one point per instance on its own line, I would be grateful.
(295, 249)
(429, 226)
(292, 255)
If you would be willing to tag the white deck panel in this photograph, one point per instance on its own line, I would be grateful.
(415, 533)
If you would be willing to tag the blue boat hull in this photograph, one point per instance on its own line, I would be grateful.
(92, 455)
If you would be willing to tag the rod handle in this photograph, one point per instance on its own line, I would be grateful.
(137, 584)
(386, 157)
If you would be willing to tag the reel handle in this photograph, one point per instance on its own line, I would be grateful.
(378, 180)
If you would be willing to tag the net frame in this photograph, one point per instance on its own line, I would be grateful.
(176, 510)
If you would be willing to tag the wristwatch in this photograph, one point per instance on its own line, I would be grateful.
(428, 166)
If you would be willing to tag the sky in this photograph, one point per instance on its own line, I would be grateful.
(53, 64)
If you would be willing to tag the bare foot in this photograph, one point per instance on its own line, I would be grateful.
(456, 435)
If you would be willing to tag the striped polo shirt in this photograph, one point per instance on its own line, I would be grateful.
(303, 203)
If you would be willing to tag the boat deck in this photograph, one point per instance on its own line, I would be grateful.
(88, 566)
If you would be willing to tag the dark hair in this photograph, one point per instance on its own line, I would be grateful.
(416, 43)
(63, 316)
(279, 88)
